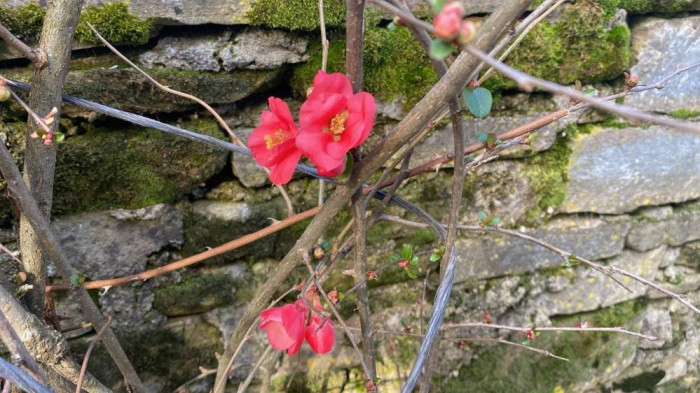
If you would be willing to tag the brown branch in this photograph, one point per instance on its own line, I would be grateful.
(528, 83)
(36, 56)
(14, 344)
(226, 247)
(50, 246)
(244, 385)
(93, 342)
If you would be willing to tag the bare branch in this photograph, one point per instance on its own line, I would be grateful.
(528, 82)
(526, 330)
(93, 342)
(36, 56)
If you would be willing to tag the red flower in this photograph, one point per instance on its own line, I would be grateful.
(272, 143)
(333, 120)
(285, 326)
(320, 334)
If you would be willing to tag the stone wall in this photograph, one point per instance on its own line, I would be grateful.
(628, 195)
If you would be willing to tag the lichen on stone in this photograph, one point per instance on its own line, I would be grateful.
(114, 22)
(296, 14)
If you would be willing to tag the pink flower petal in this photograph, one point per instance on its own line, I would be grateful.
(320, 339)
(335, 83)
(284, 170)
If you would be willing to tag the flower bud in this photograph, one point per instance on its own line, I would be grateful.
(453, 7)
(447, 25)
(467, 31)
(397, 21)
(4, 93)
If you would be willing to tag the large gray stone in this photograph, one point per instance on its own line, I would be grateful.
(485, 256)
(257, 49)
(110, 244)
(675, 230)
(591, 289)
(615, 171)
(193, 12)
(661, 45)
(252, 49)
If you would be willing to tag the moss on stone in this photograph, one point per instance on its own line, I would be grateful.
(114, 22)
(395, 65)
(296, 14)
(684, 114)
(422, 237)
(577, 47)
(657, 6)
(131, 167)
(194, 295)
(25, 22)
(548, 172)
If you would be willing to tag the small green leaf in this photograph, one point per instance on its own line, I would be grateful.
(414, 261)
(393, 258)
(436, 5)
(441, 250)
(434, 257)
(341, 296)
(391, 26)
(59, 136)
(439, 50)
(491, 140)
(482, 138)
(348, 168)
(411, 274)
(407, 252)
(526, 341)
(479, 101)
(326, 245)
(494, 221)
(77, 279)
(590, 92)
(482, 216)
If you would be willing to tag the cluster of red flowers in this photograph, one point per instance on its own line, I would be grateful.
(450, 26)
(332, 121)
(288, 326)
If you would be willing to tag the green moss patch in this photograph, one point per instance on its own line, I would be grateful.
(657, 6)
(132, 167)
(115, 23)
(395, 65)
(684, 114)
(25, 22)
(296, 14)
(194, 295)
(577, 47)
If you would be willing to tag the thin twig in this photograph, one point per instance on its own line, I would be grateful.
(39, 121)
(14, 344)
(528, 82)
(36, 56)
(526, 330)
(210, 253)
(93, 342)
(244, 385)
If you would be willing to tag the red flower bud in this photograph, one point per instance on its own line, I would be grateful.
(453, 7)
(402, 263)
(447, 25)
(467, 31)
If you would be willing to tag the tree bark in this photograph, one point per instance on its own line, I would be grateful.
(39, 160)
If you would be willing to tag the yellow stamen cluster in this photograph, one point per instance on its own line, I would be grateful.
(337, 126)
(276, 139)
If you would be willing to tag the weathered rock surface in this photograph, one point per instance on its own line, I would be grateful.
(486, 256)
(661, 45)
(674, 230)
(131, 168)
(252, 49)
(94, 242)
(245, 168)
(193, 12)
(591, 289)
(614, 171)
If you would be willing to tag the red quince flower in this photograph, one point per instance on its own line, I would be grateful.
(447, 22)
(333, 121)
(285, 326)
(272, 143)
(320, 334)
